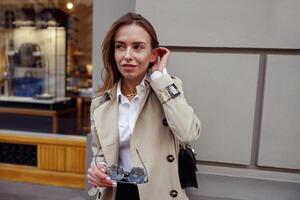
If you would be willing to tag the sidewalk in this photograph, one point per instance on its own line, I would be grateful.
(25, 191)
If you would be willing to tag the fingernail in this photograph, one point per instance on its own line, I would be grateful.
(114, 183)
(108, 178)
(103, 170)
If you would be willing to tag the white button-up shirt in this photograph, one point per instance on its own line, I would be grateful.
(127, 119)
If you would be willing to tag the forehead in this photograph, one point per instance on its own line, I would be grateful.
(132, 33)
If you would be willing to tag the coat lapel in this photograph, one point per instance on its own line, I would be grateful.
(106, 121)
(144, 96)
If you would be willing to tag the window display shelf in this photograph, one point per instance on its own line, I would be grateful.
(25, 113)
(32, 100)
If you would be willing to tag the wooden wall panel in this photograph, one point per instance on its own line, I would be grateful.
(60, 160)
(52, 157)
(75, 159)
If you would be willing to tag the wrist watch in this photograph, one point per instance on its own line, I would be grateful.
(172, 90)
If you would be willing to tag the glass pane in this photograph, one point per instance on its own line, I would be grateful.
(45, 65)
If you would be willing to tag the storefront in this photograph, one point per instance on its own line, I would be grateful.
(45, 65)
(45, 88)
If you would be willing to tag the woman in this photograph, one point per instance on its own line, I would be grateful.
(140, 115)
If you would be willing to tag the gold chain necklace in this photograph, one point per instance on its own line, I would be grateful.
(130, 95)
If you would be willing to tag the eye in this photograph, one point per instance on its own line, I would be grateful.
(119, 46)
(139, 46)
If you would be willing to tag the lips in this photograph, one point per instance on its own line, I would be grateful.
(128, 66)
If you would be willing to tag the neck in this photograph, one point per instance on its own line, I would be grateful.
(129, 85)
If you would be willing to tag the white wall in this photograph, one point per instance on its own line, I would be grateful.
(227, 23)
(247, 98)
(222, 92)
(280, 133)
(105, 12)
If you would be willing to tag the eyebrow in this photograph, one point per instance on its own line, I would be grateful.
(134, 43)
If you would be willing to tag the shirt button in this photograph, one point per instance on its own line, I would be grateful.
(173, 193)
(170, 158)
(165, 122)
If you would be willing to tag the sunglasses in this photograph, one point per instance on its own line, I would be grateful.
(136, 175)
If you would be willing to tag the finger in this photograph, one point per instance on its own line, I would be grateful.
(109, 185)
(95, 184)
(100, 183)
(100, 165)
(103, 179)
(93, 180)
(100, 179)
(164, 61)
(113, 184)
(96, 172)
(101, 168)
(164, 54)
(93, 171)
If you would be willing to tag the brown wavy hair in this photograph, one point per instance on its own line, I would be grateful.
(110, 70)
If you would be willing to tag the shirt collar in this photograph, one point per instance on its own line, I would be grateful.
(121, 98)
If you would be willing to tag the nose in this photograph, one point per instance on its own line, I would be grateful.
(128, 54)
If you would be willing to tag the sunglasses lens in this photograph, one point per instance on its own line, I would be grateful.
(115, 173)
(137, 175)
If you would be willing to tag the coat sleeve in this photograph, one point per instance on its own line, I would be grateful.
(181, 119)
(96, 146)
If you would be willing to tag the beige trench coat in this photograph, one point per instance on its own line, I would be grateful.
(162, 122)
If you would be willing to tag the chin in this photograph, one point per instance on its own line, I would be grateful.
(130, 76)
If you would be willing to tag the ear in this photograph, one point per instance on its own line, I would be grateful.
(154, 55)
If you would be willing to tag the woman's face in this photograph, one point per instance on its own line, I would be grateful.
(133, 51)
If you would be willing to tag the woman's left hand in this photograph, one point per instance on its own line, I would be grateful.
(162, 59)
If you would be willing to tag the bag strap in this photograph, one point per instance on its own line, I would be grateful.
(184, 146)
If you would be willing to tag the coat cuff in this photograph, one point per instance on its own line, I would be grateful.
(165, 88)
(156, 74)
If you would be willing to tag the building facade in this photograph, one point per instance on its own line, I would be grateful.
(240, 66)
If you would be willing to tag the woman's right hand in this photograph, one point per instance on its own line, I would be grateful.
(97, 177)
(161, 62)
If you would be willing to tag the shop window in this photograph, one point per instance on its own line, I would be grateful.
(45, 65)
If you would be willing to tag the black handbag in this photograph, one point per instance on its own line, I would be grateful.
(187, 167)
